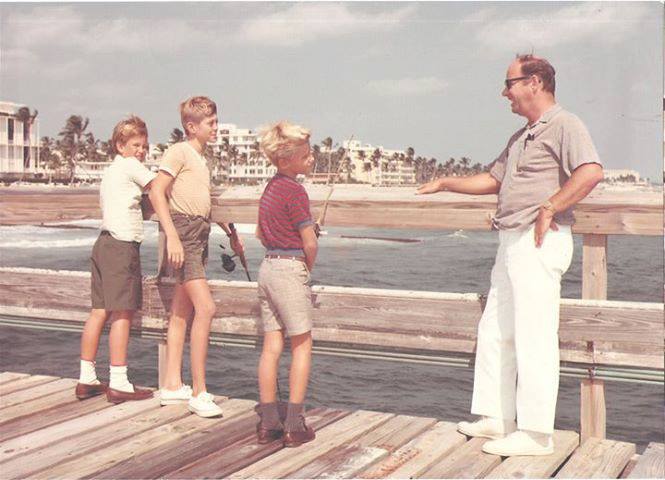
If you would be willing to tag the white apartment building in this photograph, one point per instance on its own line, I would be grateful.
(250, 167)
(391, 171)
(19, 141)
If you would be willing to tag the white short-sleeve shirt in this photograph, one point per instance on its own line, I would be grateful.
(120, 198)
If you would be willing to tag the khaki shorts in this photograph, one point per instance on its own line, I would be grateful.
(285, 296)
(116, 274)
(193, 233)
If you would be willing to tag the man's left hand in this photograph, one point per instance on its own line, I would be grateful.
(543, 223)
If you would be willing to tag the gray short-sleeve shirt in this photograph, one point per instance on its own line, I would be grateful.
(535, 164)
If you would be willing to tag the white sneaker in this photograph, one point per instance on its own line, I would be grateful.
(204, 405)
(172, 397)
(487, 427)
(521, 442)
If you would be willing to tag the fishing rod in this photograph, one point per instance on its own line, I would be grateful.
(227, 260)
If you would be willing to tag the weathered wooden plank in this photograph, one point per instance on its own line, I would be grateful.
(651, 463)
(343, 431)
(565, 442)
(245, 452)
(348, 460)
(594, 266)
(22, 384)
(38, 405)
(467, 461)
(598, 458)
(40, 390)
(115, 429)
(151, 439)
(72, 427)
(6, 377)
(51, 416)
(630, 466)
(592, 409)
(414, 458)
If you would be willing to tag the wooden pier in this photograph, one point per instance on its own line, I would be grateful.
(45, 432)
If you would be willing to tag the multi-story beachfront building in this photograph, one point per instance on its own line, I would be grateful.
(377, 165)
(19, 140)
(242, 161)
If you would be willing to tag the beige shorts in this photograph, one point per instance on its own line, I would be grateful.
(285, 296)
(193, 233)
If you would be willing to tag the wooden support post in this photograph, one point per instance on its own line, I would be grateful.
(161, 251)
(161, 362)
(594, 287)
(592, 409)
(594, 267)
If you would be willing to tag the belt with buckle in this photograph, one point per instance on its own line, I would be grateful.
(286, 257)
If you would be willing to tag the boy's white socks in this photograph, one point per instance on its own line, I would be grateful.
(119, 380)
(88, 374)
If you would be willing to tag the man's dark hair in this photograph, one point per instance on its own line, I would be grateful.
(532, 65)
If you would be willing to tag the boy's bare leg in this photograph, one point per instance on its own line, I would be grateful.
(121, 322)
(273, 344)
(92, 331)
(301, 351)
(181, 311)
(204, 309)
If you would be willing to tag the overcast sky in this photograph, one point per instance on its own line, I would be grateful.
(426, 75)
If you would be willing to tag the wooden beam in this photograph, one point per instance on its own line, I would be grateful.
(594, 266)
(592, 409)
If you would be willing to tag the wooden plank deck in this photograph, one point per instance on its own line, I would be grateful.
(94, 439)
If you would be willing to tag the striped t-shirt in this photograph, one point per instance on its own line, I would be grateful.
(283, 211)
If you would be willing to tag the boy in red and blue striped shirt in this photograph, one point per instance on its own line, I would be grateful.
(286, 229)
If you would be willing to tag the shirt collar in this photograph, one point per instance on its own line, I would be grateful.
(547, 115)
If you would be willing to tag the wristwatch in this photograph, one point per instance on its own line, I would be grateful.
(547, 205)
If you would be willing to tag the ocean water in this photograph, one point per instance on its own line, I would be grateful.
(450, 261)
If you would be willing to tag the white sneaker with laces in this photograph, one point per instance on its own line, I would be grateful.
(521, 442)
(172, 397)
(487, 427)
(204, 405)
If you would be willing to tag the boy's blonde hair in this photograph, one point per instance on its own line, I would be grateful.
(281, 140)
(130, 127)
(195, 109)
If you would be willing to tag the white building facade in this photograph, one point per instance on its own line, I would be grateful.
(391, 170)
(19, 140)
(249, 166)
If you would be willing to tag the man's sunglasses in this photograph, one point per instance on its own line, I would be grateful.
(509, 82)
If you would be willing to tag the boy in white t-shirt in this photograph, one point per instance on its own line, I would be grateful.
(116, 264)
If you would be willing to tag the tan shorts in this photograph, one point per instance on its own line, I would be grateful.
(116, 274)
(194, 233)
(285, 296)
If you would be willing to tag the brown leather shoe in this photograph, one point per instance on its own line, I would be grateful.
(83, 390)
(118, 396)
(295, 439)
(265, 435)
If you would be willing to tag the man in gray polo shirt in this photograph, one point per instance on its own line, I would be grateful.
(548, 166)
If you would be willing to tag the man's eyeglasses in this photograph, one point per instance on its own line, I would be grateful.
(509, 82)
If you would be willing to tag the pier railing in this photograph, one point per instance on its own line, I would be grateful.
(599, 339)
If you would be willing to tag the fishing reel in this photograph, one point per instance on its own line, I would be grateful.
(228, 263)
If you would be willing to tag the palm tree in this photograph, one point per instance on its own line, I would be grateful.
(328, 143)
(50, 156)
(72, 142)
(176, 136)
(27, 119)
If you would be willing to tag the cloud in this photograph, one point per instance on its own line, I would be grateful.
(609, 23)
(305, 22)
(407, 86)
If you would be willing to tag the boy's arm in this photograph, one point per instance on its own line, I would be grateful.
(160, 203)
(310, 245)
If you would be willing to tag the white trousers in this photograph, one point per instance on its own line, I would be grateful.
(517, 354)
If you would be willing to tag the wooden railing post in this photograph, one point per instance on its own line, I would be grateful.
(161, 362)
(594, 286)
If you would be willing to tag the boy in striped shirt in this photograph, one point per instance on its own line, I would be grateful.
(286, 229)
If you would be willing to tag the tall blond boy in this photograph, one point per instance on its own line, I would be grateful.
(181, 197)
(287, 231)
(116, 288)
